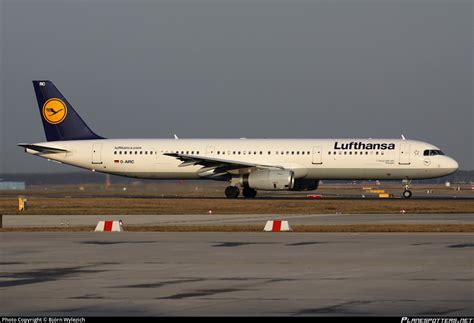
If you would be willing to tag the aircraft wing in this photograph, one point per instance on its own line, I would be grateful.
(43, 149)
(217, 166)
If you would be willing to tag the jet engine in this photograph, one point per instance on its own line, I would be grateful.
(269, 180)
(305, 185)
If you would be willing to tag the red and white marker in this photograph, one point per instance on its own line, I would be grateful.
(277, 226)
(109, 226)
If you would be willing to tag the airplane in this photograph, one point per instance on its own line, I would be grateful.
(248, 165)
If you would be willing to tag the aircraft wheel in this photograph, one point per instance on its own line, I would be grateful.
(232, 192)
(407, 194)
(249, 192)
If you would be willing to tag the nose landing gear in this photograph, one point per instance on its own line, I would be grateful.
(407, 193)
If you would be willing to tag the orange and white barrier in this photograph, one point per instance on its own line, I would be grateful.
(277, 226)
(109, 226)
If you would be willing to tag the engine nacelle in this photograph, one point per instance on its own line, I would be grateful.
(269, 180)
(305, 185)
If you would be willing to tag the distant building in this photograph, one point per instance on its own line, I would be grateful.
(12, 185)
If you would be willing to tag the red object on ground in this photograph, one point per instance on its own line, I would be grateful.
(276, 225)
(108, 225)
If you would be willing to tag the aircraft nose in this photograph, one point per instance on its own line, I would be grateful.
(452, 165)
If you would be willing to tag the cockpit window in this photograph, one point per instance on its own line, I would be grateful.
(432, 152)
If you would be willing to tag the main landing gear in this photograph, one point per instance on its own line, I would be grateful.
(232, 192)
(407, 193)
(249, 192)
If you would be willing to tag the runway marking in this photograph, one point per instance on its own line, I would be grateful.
(464, 245)
(304, 243)
(238, 244)
(338, 308)
(165, 283)
(201, 292)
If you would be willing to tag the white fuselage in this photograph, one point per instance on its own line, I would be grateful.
(308, 158)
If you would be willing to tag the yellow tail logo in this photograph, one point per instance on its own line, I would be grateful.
(54, 111)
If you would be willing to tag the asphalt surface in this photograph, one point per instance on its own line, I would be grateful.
(219, 219)
(296, 274)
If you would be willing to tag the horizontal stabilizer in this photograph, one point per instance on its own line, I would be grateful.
(43, 149)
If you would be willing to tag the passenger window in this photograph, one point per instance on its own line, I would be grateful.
(120, 153)
(146, 152)
(115, 153)
(136, 152)
(218, 152)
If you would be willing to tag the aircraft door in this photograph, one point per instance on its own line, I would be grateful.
(317, 155)
(404, 154)
(97, 154)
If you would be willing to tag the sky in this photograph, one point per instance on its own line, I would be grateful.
(234, 68)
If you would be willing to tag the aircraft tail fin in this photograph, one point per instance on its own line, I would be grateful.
(60, 120)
